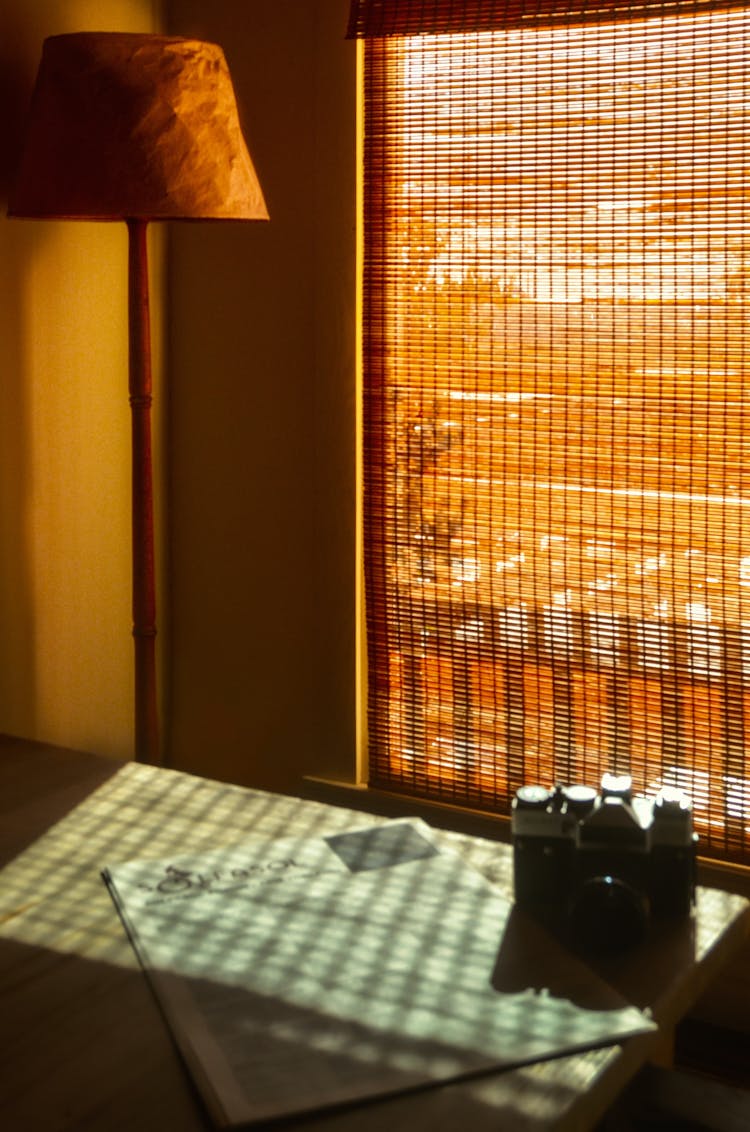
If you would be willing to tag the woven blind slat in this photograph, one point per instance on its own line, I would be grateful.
(377, 18)
(557, 481)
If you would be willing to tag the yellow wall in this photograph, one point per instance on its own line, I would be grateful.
(65, 648)
(262, 442)
(257, 628)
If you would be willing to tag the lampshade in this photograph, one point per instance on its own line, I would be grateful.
(135, 126)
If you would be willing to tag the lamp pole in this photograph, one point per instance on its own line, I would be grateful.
(144, 589)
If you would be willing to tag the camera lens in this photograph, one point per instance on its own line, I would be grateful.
(607, 915)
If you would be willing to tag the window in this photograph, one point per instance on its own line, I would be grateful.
(557, 455)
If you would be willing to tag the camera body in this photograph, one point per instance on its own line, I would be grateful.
(597, 867)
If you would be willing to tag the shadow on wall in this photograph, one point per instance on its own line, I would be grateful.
(17, 69)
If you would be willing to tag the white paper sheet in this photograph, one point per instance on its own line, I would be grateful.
(302, 973)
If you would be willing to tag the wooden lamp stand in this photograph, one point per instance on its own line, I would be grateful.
(136, 128)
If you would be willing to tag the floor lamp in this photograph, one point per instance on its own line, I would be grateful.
(136, 128)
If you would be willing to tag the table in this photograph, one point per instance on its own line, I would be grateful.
(84, 1046)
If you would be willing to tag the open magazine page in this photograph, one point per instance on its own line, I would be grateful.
(302, 973)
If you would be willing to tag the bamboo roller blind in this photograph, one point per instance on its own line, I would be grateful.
(557, 482)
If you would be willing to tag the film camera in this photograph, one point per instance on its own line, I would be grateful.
(597, 867)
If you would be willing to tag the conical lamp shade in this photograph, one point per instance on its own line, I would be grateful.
(135, 126)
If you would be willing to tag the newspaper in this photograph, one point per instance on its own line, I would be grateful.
(303, 973)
